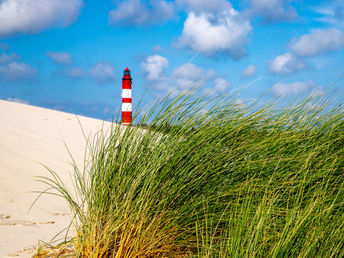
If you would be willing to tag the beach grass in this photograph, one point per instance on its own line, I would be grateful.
(207, 177)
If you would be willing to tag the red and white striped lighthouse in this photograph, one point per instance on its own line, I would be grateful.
(126, 98)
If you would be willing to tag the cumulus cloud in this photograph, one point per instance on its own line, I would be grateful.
(273, 10)
(102, 73)
(27, 16)
(74, 72)
(184, 77)
(286, 64)
(154, 66)
(211, 33)
(162, 86)
(250, 70)
(318, 41)
(331, 12)
(200, 6)
(14, 71)
(295, 88)
(189, 76)
(64, 58)
(5, 58)
(138, 13)
(220, 86)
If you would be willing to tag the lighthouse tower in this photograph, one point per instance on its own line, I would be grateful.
(126, 98)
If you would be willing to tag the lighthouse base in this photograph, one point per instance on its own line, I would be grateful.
(126, 118)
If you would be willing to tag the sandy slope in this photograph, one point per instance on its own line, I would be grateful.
(30, 136)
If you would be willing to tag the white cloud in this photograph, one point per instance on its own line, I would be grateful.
(14, 71)
(27, 16)
(201, 6)
(220, 87)
(74, 72)
(163, 85)
(286, 64)
(137, 12)
(193, 72)
(331, 12)
(18, 100)
(189, 76)
(4, 58)
(184, 77)
(273, 10)
(317, 42)
(64, 58)
(295, 88)
(250, 70)
(154, 66)
(224, 32)
(102, 72)
(309, 45)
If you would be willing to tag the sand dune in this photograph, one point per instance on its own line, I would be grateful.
(30, 136)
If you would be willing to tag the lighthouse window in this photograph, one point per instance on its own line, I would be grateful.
(126, 72)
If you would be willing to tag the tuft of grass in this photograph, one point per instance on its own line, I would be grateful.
(208, 178)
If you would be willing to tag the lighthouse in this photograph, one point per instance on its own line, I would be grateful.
(126, 98)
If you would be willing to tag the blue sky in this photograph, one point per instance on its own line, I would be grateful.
(69, 55)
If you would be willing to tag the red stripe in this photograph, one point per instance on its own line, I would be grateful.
(126, 100)
(126, 117)
(126, 84)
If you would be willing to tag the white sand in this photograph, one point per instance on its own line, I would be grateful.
(29, 136)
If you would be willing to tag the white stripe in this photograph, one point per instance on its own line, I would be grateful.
(127, 107)
(126, 93)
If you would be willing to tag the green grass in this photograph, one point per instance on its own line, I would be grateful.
(208, 178)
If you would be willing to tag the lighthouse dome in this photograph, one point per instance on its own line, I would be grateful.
(127, 71)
